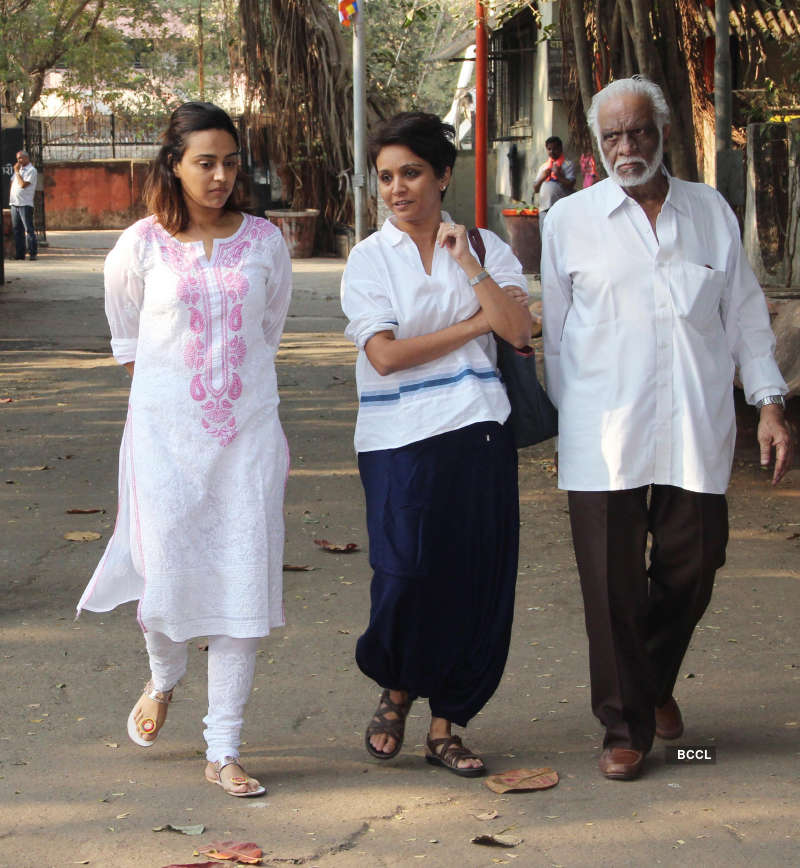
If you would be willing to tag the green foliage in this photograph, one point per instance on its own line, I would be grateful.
(402, 35)
(134, 54)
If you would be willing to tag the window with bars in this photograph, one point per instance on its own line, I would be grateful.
(512, 56)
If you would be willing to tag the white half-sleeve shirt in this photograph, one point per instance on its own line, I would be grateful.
(642, 335)
(20, 196)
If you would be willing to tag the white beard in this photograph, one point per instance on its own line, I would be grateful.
(649, 172)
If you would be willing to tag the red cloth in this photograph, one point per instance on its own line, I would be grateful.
(551, 162)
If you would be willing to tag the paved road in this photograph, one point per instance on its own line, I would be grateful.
(74, 790)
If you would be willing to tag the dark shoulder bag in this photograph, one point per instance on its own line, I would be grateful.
(533, 417)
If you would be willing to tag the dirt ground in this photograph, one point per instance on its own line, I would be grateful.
(75, 791)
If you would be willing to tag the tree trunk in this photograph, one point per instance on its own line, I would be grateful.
(682, 147)
(583, 57)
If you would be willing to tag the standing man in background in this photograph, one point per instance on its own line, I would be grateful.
(20, 199)
(556, 177)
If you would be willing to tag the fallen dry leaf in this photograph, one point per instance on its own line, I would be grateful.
(337, 548)
(522, 780)
(193, 865)
(83, 511)
(499, 840)
(297, 568)
(184, 830)
(81, 535)
(489, 815)
(234, 851)
(111, 744)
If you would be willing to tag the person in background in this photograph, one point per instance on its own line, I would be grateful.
(20, 199)
(437, 461)
(556, 177)
(649, 306)
(196, 298)
(589, 169)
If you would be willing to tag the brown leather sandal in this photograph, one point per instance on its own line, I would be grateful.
(394, 727)
(448, 752)
(148, 726)
(214, 776)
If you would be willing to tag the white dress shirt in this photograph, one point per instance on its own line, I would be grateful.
(642, 336)
(18, 195)
(386, 288)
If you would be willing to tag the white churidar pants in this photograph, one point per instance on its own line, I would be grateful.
(231, 667)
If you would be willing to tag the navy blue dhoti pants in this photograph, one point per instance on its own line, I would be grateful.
(443, 523)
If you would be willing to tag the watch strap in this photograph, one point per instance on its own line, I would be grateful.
(771, 399)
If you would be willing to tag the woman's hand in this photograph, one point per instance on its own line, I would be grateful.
(453, 237)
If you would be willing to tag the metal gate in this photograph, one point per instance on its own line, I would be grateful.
(32, 131)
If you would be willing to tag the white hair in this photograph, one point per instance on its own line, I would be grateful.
(638, 85)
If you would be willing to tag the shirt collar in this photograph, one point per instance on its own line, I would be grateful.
(615, 196)
(394, 235)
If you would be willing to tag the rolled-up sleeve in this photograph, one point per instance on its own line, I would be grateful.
(746, 320)
(365, 302)
(124, 295)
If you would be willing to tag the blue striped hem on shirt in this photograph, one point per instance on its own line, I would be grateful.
(376, 397)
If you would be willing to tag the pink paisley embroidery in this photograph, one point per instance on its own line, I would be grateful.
(213, 293)
(196, 389)
(194, 354)
(237, 350)
(196, 321)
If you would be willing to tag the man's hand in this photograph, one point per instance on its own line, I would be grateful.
(773, 431)
(17, 166)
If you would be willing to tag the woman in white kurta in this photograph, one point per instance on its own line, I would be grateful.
(196, 307)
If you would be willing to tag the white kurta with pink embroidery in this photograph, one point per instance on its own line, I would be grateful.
(203, 464)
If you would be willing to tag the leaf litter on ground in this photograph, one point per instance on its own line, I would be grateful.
(337, 548)
(499, 839)
(522, 780)
(233, 851)
(196, 829)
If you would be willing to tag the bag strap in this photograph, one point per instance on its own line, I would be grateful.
(476, 240)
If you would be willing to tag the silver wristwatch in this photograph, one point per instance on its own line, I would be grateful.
(771, 399)
(481, 275)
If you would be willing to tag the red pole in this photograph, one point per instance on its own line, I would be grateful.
(481, 112)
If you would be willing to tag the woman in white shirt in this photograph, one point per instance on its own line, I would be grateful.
(438, 465)
(196, 298)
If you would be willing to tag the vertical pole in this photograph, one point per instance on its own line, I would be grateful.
(360, 121)
(113, 137)
(481, 112)
(201, 58)
(722, 95)
(2, 233)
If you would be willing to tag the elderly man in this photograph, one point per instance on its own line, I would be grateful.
(20, 199)
(649, 304)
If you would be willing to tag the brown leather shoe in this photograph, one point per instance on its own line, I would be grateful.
(621, 763)
(669, 723)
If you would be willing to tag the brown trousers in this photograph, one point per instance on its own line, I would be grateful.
(640, 620)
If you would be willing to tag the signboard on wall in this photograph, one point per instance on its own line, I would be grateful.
(556, 83)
